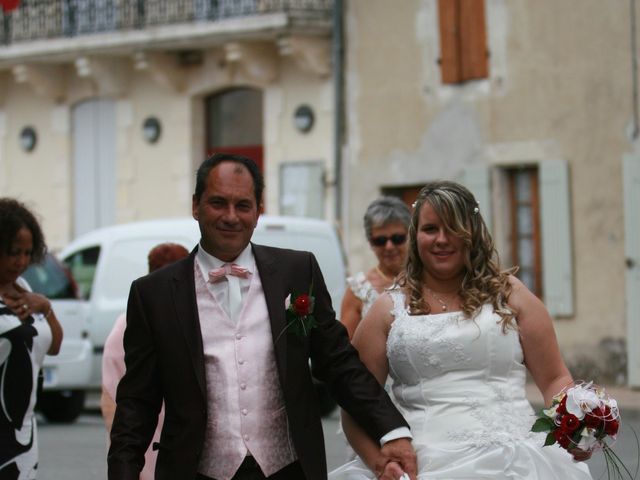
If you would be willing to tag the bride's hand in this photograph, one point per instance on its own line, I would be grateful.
(393, 471)
(580, 455)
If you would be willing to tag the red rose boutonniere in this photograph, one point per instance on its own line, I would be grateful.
(299, 312)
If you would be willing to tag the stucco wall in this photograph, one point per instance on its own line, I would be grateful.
(39, 178)
(156, 180)
(559, 87)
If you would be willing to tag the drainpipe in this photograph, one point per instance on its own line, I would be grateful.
(634, 71)
(338, 107)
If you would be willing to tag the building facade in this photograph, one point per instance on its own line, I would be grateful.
(533, 105)
(124, 99)
(107, 107)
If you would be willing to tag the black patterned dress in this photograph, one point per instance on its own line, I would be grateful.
(23, 346)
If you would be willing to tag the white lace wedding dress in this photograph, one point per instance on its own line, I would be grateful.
(461, 386)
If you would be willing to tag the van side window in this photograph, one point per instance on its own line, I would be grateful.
(83, 269)
(51, 279)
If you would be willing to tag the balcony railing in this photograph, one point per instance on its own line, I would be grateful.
(46, 19)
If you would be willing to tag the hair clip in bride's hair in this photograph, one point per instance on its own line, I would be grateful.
(476, 209)
(413, 205)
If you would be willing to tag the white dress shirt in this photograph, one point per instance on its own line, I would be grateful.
(220, 290)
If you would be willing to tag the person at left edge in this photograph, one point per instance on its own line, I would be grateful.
(29, 329)
(236, 384)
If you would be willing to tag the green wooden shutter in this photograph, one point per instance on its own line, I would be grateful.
(555, 225)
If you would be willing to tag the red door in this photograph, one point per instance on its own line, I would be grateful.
(234, 123)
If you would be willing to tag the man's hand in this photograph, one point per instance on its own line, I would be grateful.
(400, 451)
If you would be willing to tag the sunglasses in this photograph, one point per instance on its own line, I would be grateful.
(396, 239)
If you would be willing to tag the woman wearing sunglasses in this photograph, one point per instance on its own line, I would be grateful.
(386, 223)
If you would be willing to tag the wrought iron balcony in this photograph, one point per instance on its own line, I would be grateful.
(54, 19)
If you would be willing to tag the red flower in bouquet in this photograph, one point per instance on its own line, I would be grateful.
(562, 406)
(583, 417)
(562, 438)
(594, 418)
(569, 423)
(611, 427)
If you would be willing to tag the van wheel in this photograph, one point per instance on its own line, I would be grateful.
(61, 406)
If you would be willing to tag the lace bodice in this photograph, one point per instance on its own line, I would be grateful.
(463, 378)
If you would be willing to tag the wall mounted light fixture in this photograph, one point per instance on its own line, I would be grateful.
(303, 118)
(28, 139)
(151, 129)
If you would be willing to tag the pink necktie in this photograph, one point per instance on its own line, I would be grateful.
(218, 274)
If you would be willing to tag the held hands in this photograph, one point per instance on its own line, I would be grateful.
(393, 471)
(397, 458)
(27, 303)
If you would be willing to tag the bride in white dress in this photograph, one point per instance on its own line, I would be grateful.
(456, 339)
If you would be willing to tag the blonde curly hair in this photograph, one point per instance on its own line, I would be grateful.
(483, 281)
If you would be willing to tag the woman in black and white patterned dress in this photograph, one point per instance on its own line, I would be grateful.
(28, 330)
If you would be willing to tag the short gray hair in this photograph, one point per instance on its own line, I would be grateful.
(385, 210)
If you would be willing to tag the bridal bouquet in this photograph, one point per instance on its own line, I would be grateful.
(583, 417)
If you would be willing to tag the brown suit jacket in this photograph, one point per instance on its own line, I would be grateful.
(164, 359)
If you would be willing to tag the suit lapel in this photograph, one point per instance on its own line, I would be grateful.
(274, 294)
(184, 291)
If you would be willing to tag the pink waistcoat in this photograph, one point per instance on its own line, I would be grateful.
(246, 413)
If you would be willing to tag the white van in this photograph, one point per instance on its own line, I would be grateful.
(105, 262)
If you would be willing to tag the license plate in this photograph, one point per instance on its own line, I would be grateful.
(50, 377)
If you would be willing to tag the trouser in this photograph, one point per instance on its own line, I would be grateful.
(249, 470)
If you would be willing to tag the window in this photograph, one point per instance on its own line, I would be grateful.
(463, 40)
(83, 269)
(302, 189)
(51, 279)
(407, 194)
(527, 207)
(524, 216)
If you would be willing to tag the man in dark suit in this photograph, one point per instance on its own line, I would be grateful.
(211, 336)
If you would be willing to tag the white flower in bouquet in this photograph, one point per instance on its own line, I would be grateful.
(581, 400)
(551, 412)
(588, 440)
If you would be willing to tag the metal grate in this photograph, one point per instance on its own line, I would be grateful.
(42, 19)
